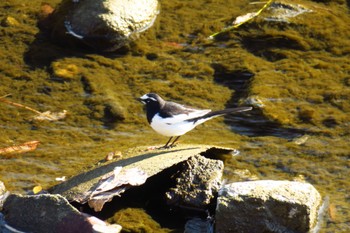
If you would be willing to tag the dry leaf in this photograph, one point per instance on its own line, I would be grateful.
(25, 147)
(332, 212)
(244, 18)
(50, 116)
(113, 184)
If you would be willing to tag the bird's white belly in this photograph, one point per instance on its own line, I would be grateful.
(170, 129)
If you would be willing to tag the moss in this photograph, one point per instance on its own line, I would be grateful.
(136, 220)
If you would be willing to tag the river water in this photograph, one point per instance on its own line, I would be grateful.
(294, 71)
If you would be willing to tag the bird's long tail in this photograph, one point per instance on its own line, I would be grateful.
(210, 115)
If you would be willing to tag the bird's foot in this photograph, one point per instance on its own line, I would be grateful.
(151, 148)
(166, 147)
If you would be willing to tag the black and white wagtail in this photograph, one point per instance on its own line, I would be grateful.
(173, 119)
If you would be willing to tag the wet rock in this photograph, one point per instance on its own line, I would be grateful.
(282, 11)
(197, 184)
(104, 25)
(267, 206)
(50, 213)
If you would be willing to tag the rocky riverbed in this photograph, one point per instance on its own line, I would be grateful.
(294, 71)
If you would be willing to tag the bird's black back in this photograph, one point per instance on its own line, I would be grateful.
(171, 109)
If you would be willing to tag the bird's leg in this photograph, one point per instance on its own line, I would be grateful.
(166, 145)
(172, 144)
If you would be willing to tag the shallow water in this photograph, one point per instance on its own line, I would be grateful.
(296, 73)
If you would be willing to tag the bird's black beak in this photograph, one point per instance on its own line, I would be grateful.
(141, 100)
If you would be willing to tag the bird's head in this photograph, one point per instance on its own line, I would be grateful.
(151, 99)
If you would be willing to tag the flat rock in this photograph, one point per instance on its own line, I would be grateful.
(141, 164)
(267, 206)
(197, 183)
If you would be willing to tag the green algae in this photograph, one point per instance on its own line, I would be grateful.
(300, 73)
(137, 220)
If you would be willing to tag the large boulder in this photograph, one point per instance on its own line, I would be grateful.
(267, 206)
(104, 25)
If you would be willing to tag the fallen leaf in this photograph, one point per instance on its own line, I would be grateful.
(113, 184)
(50, 116)
(112, 155)
(23, 148)
(45, 10)
(332, 212)
(244, 18)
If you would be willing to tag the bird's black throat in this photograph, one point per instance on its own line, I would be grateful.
(152, 109)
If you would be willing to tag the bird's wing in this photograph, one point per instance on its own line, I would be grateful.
(175, 113)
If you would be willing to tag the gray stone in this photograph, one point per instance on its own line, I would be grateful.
(105, 25)
(197, 184)
(49, 213)
(267, 206)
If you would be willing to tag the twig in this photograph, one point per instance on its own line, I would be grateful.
(18, 149)
(253, 15)
(4, 96)
(2, 99)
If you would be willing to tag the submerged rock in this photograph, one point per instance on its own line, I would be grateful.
(282, 11)
(267, 206)
(50, 213)
(197, 184)
(104, 25)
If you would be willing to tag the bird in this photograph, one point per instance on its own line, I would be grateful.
(174, 120)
